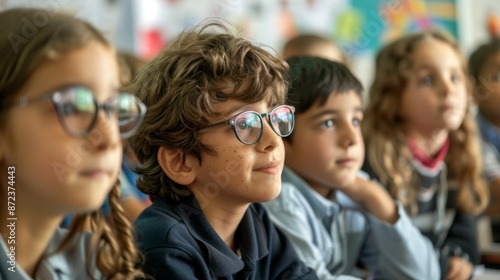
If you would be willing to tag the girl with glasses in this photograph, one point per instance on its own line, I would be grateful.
(61, 120)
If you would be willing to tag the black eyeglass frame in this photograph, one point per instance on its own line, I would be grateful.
(55, 98)
(231, 122)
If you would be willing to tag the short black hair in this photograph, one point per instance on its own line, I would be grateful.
(480, 55)
(313, 79)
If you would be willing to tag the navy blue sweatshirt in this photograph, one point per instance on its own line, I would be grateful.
(178, 243)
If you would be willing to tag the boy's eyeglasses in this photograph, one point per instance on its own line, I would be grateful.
(248, 125)
(77, 110)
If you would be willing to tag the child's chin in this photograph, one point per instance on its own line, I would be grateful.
(271, 195)
(346, 182)
(453, 122)
(88, 204)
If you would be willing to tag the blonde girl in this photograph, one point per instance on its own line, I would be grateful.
(422, 143)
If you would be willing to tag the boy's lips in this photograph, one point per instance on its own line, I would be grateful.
(346, 162)
(273, 167)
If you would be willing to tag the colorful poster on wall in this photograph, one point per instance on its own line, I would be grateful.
(359, 26)
(366, 25)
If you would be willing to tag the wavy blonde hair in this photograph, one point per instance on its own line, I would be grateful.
(200, 68)
(387, 150)
(55, 35)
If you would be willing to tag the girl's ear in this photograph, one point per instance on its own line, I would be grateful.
(173, 163)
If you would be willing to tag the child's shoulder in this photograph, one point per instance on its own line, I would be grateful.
(162, 223)
(290, 199)
(73, 261)
(69, 263)
(159, 210)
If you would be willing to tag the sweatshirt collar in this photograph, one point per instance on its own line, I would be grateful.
(429, 162)
(250, 239)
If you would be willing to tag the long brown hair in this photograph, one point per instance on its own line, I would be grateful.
(22, 52)
(387, 149)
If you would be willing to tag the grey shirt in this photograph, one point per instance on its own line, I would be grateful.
(69, 264)
(491, 161)
(331, 238)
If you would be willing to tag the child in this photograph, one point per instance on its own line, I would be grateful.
(130, 65)
(210, 146)
(61, 151)
(321, 180)
(132, 200)
(422, 144)
(314, 45)
(136, 201)
(484, 65)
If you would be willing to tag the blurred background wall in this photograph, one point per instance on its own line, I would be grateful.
(360, 27)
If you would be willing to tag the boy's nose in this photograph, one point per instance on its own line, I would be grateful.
(269, 140)
(348, 136)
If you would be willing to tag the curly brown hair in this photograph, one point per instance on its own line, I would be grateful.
(387, 149)
(114, 247)
(202, 67)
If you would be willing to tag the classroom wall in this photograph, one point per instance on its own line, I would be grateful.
(472, 18)
(360, 26)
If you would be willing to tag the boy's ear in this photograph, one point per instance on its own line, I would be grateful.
(173, 163)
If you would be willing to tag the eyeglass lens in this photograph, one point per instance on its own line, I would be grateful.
(282, 120)
(78, 110)
(248, 125)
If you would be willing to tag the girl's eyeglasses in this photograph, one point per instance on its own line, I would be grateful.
(248, 125)
(77, 110)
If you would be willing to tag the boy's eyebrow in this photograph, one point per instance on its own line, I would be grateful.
(429, 67)
(333, 112)
(234, 109)
(491, 66)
